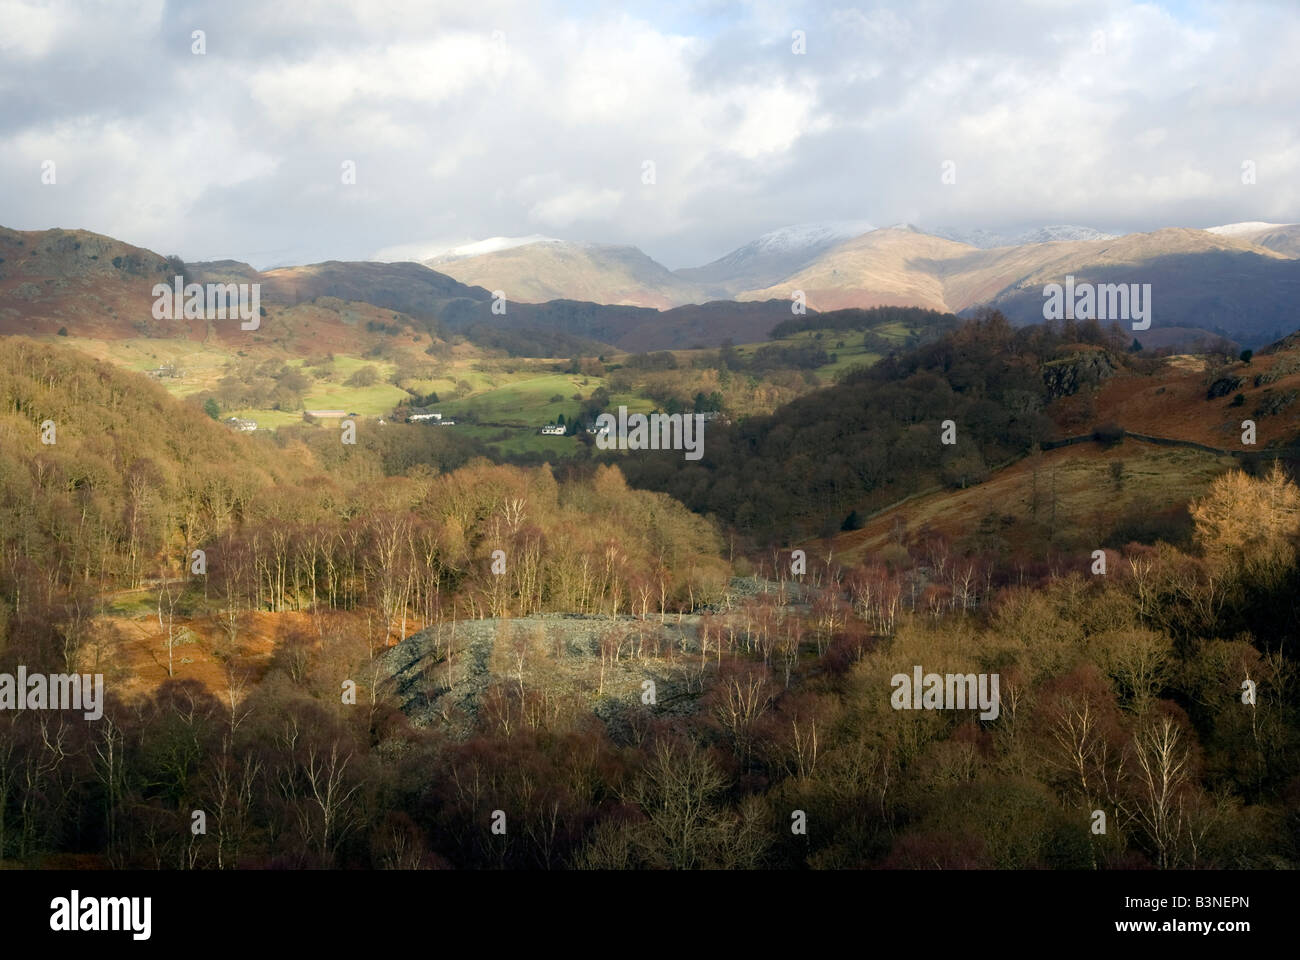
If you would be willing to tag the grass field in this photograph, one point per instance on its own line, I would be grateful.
(372, 401)
(1077, 478)
(853, 353)
(268, 419)
(204, 365)
(520, 440)
(527, 402)
(514, 395)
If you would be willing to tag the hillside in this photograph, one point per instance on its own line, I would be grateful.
(895, 266)
(875, 437)
(101, 289)
(1222, 282)
(555, 270)
(100, 286)
(626, 327)
(1196, 399)
(100, 523)
(394, 286)
(1071, 500)
(1283, 238)
(1107, 494)
(131, 474)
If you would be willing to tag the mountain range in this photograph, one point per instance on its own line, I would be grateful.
(1238, 280)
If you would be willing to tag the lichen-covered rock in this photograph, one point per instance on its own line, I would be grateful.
(1066, 376)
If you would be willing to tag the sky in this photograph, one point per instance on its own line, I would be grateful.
(684, 128)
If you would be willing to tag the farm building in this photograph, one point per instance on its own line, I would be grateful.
(422, 415)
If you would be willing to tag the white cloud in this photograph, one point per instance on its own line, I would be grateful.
(580, 203)
(458, 135)
(29, 30)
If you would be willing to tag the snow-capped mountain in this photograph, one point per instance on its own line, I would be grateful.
(1053, 233)
(773, 256)
(802, 236)
(1283, 238)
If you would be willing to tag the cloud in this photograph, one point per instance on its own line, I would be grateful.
(578, 204)
(507, 117)
(29, 30)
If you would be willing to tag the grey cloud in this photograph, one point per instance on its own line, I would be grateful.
(238, 153)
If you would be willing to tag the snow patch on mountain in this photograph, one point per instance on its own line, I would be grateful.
(803, 240)
(490, 245)
(1052, 233)
(1246, 226)
(1062, 232)
(772, 256)
(801, 236)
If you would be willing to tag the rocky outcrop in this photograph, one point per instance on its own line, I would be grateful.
(1068, 375)
(1223, 386)
(1271, 404)
(441, 675)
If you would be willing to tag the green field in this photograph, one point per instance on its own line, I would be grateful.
(511, 396)
(375, 401)
(634, 402)
(519, 440)
(852, 354)
(267, 419)
(845, 360)
(527, 402)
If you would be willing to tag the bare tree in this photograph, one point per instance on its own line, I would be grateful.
(1162, 772)
(336, 800)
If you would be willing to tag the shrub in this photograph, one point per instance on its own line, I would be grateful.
(367, 376)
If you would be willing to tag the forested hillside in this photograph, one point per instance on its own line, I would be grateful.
(877, 435)
(135, 481)
(319, 689)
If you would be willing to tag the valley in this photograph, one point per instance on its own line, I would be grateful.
(480, 589)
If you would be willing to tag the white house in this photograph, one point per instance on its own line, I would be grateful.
(553, 430)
